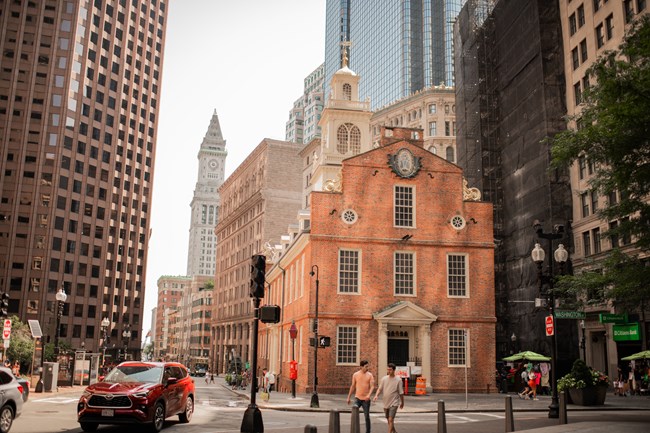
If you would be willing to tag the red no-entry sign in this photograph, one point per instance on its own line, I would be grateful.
(6, 331)
(549, 326)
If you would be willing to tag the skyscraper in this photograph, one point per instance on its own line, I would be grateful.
(205, 203)
(399, 46)
(79, 98)
(302, 126)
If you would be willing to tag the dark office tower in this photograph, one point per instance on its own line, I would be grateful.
(399, 47)
(79, 98)
(509, 97)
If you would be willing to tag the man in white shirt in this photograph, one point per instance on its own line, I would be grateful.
(391, 386)
(269, 380)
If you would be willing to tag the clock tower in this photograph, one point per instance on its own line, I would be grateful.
(201, 254)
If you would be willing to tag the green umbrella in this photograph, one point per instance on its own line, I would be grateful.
(641, 355)
(528, 356)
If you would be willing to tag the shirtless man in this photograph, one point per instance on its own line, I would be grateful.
(362, 385)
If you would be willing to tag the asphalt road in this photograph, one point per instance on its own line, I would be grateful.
(219, 411)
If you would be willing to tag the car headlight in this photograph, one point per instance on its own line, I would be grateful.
(86, 394)
(142, 394)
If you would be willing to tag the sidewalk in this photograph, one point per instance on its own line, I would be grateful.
(429, 403)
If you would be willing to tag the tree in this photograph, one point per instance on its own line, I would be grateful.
(147, 351)
(209, 285)
(612, 132)
(21, 347)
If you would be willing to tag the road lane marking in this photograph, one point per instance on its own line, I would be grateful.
(56, 400)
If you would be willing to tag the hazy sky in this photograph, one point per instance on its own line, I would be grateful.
(247, 59)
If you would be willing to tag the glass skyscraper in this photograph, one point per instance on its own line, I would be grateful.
(398, 46)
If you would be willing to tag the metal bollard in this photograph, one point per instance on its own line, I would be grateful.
(442, 419)
(354, 422)
(310, 429)
(510, 419)
(335, 421)
(563, 413)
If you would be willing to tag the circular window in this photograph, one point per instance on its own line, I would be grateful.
(458, 222)
(349, 216)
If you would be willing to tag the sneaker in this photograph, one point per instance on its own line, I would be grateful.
(535, 398)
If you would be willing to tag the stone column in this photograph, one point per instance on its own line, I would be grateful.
(382, 348)
(425, 352)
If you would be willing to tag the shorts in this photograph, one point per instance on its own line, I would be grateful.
(532, 384)
(391, 412)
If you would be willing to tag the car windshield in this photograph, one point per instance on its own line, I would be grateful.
(134, 373)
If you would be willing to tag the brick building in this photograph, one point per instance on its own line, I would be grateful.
(258, 201)
(403, 256)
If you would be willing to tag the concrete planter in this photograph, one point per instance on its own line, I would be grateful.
(589, 396)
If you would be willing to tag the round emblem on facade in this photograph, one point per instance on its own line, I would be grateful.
(404, 163)
(349, 216)
(458, 222)
(213, 163)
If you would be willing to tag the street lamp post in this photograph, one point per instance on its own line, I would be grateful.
(513, 338)
(126, 337)
(293, 333)
(104, 325)
(314, 396)
(560, 255)
(583, 341)
(60, 301)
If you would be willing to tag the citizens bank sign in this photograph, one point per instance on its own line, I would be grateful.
(628, 332)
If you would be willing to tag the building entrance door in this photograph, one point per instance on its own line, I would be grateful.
(398, 352)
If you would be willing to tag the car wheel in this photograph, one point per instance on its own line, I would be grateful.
(158, 417)
(6, 418)
(88, 426)
(186, 416)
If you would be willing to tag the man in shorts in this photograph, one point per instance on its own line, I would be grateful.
(362, 385)
(393, 396)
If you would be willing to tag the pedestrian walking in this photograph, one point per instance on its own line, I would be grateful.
(362, 385)
(393, 395)
(269, 380)
(211, 377)
(207, 377)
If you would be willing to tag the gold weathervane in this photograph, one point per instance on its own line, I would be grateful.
(344, 52)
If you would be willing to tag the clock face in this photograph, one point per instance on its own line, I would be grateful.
(213, 163)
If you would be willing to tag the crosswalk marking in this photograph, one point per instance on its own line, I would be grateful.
(55, 400)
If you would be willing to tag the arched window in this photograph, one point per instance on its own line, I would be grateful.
(348, 139)
(433, 149)
(355, 140)
(347, 92)
(450, 154)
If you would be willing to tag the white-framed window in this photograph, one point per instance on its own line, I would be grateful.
(457, 275)
(458, 347)
(404, 206)
(404, 268)
(349, 266)
(347, 347)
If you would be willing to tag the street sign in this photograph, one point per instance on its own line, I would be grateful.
(6, 331)
(549, 326)
(7, 342)
(580, 315)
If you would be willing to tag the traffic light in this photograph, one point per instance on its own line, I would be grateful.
(4, 305)
(258, 274)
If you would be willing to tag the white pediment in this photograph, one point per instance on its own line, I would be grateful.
(405, 312)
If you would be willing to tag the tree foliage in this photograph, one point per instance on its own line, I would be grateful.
(613, 132)
(21, 347)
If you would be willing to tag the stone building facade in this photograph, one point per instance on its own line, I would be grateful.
(258, 201)
(403, 259)
(589, 29)
(171, 290)
(433, 110)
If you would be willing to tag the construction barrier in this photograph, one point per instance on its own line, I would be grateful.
(421, 386)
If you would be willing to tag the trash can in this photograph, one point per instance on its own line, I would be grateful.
(50, 376)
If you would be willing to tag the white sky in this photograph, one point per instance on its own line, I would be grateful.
(247, 59)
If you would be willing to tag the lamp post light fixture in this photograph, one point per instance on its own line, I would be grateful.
(104, 325)
(293, 333)
(314, 397)
(513, 338)
(60, 301)
(560, 255)
(126, 337)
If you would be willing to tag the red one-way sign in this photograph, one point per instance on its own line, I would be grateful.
(549, 326)
(6, 331)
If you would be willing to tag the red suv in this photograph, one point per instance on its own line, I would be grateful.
(138, 393)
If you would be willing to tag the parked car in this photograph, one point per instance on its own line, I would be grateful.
(11, 399)
(25, 385)
(137, 392)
